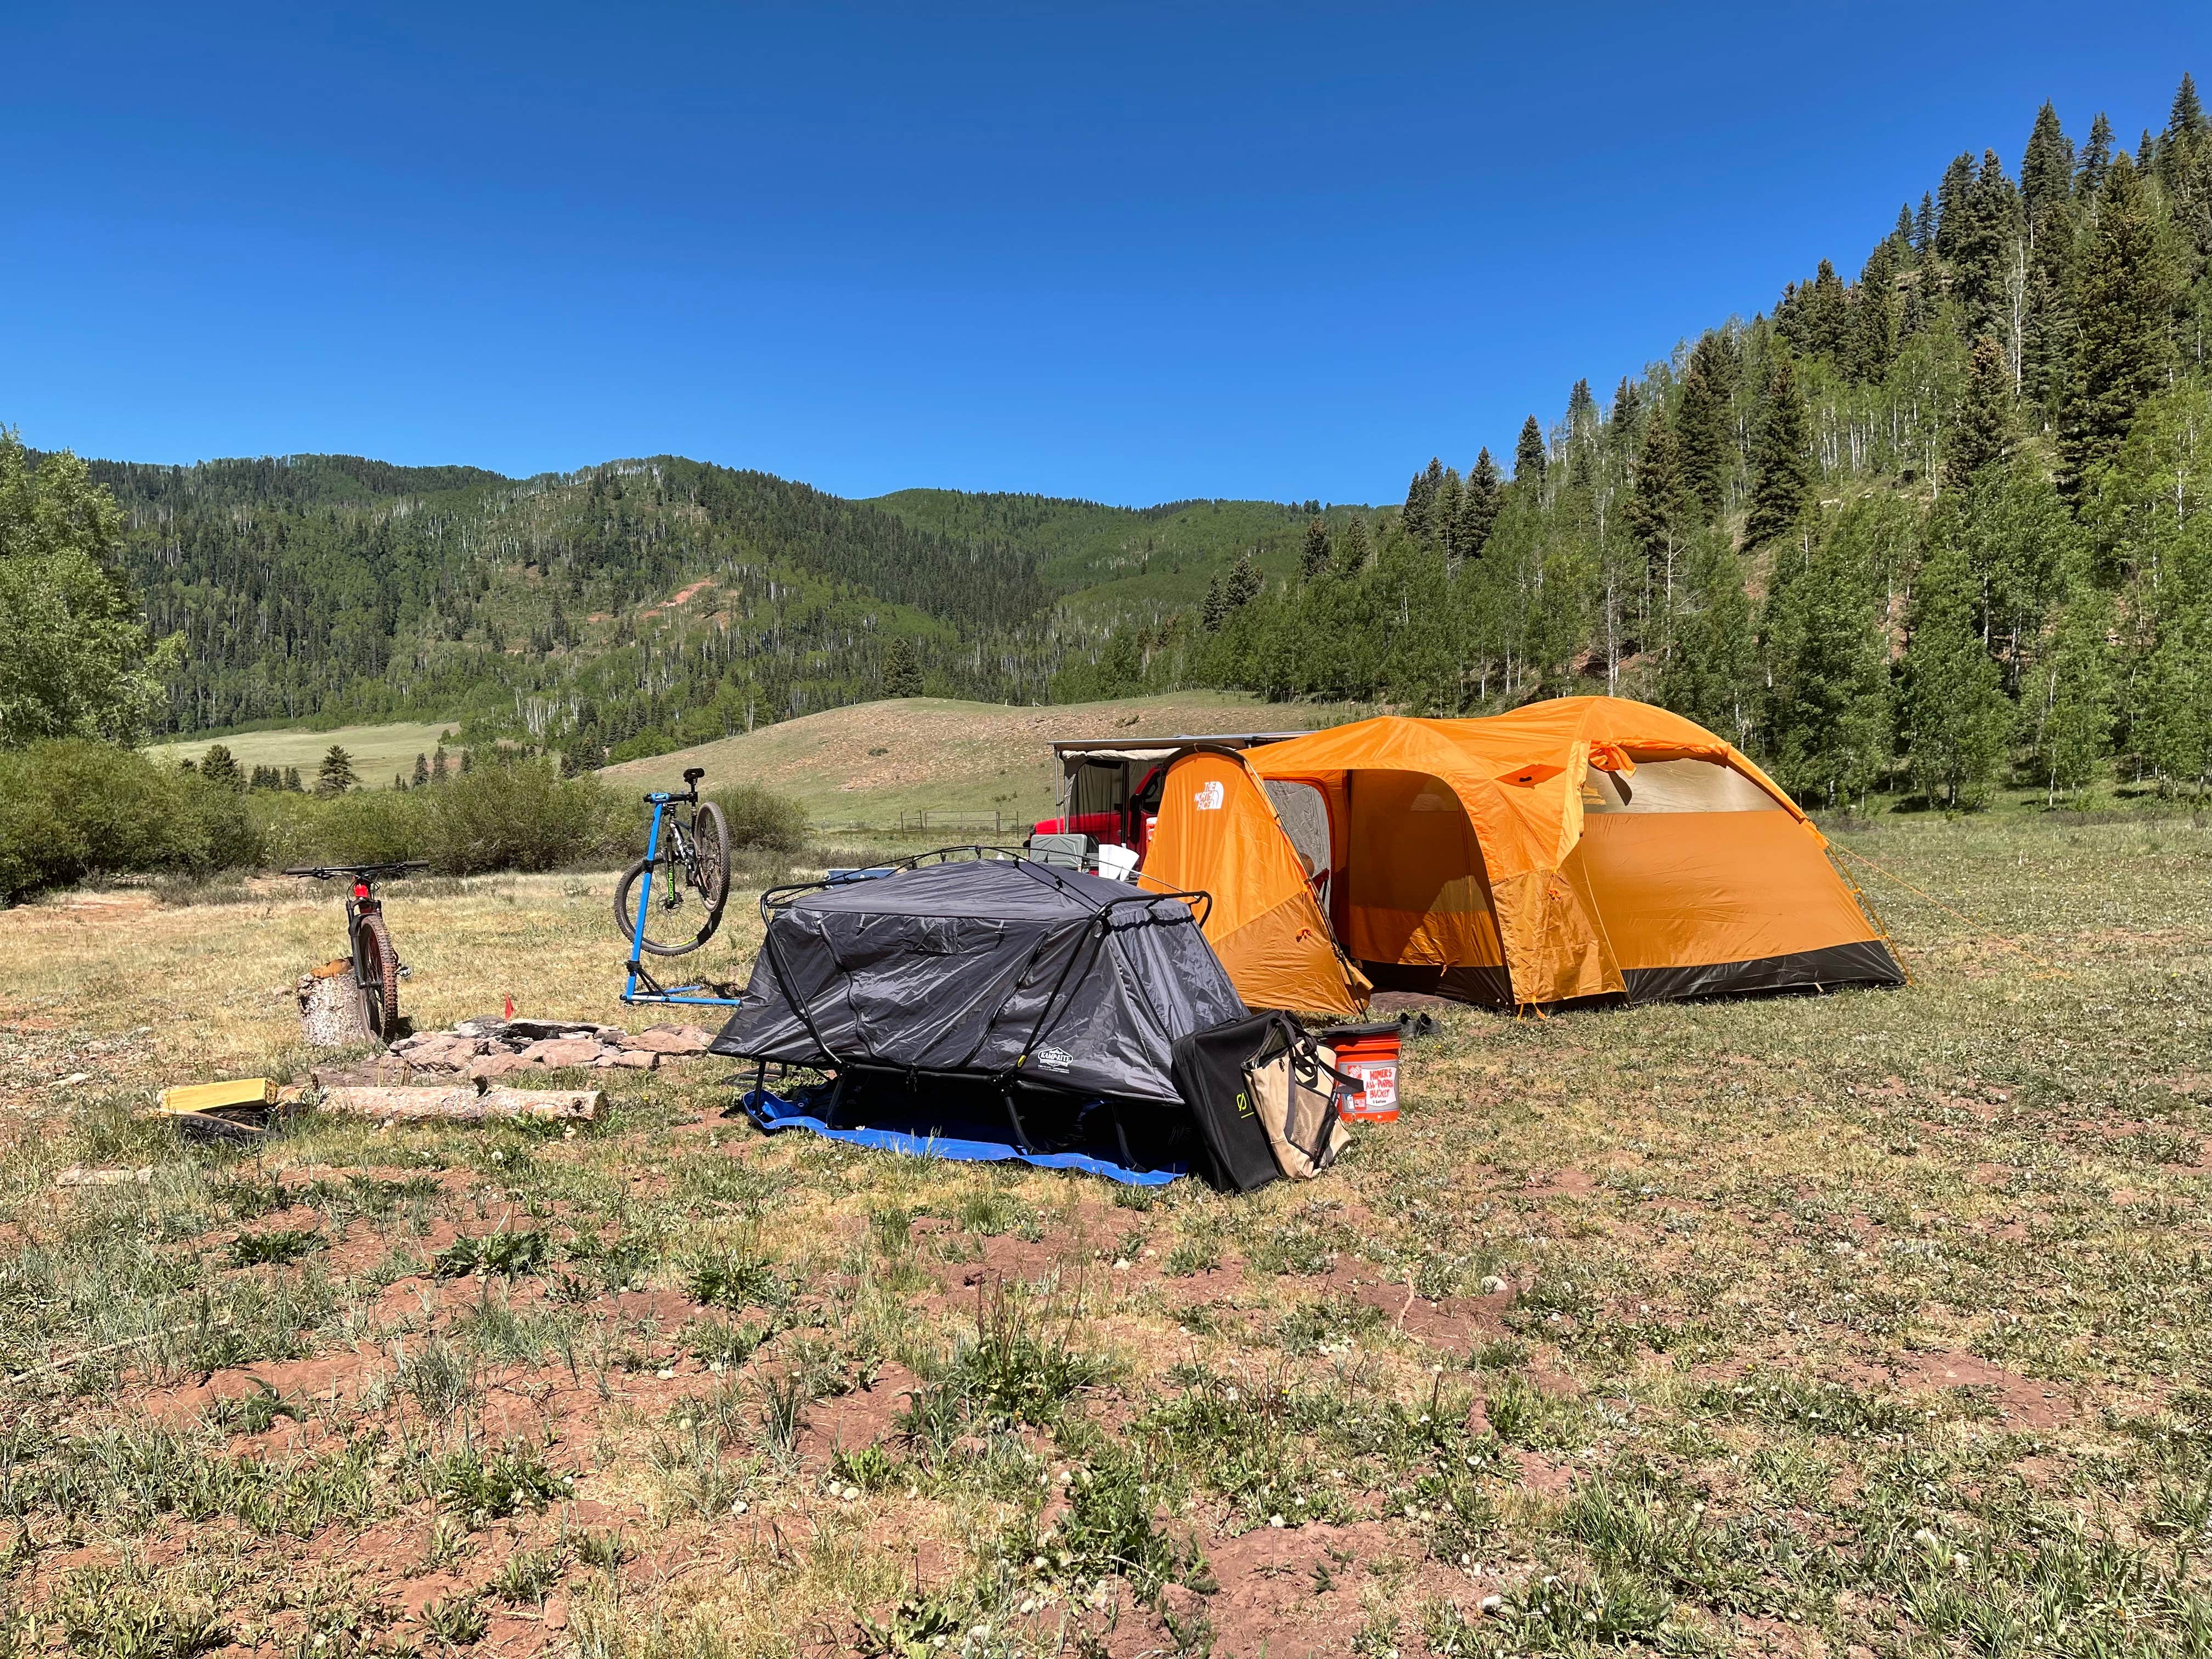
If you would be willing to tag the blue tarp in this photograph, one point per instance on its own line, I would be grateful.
(772, 1113)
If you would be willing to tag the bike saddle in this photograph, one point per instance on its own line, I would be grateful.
(693, 774)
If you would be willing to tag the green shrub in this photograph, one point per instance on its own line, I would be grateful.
(760, 819)
(523, 816)
(520, 816)
(72, 808)
(381, 826)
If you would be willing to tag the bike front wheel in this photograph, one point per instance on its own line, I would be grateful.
(664, 911)
(376, 970)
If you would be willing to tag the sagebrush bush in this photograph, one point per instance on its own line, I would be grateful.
(72, 808)
(381, 826)
(520, 816)
(760, 819)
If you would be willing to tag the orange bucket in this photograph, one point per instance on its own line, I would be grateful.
(1368, 1052)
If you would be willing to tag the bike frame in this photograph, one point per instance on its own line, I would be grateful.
(640, 987)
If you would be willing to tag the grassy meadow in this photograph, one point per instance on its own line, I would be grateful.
(1867, 1325)
(871, 764)
(377, 751)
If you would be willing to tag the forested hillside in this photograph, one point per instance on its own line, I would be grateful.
(329, 586)
(1936, 528)
(639, 605)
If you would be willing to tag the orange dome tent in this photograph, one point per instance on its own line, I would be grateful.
(1584, 847)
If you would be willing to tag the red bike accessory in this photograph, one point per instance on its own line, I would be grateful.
(361, 890)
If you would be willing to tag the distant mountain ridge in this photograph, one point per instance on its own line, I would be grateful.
(636, 604)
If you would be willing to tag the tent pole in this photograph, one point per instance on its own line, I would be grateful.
(1121, 1135)
(1014, 1117)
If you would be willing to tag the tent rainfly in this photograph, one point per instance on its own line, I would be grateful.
(996, 970)
(1579, 847)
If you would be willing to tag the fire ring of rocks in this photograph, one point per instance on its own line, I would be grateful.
(486, 1049)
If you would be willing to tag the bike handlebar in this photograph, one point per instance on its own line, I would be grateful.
(325, 872)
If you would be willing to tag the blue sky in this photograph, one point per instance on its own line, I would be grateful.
(1130, 253)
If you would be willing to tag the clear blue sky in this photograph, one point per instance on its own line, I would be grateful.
(1130, 253)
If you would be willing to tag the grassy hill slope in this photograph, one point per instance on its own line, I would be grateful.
(872, 762)
(377, 751)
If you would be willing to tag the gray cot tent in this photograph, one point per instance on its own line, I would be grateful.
(1034, 981)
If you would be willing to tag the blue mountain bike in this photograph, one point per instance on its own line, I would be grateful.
(681, 882)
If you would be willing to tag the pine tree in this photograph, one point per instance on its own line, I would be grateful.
(1826, 314)
(1660, 513)
(1359, 546)
(1781, 462)
(1244, 583)
(468, 761)
(902, 669)
(1581, 407)
(2046, 167)
(2186, 119)
(1214, 610)
(1902, 239)
(1872, 342)
(2073, 707)
(2096, 163)
(1444, 511)
(421, 770)
(1314, 560)
(1981, 429)
(1980, 247)
(1954, 205)
(2047, 336)
(1529, 456)
(1704, 424)
(1924, 226)
(1828, 702)
(1420, 497)
(438, 764)
(336, 775)
(1952, 717)
(1627, 423)
(292, 780)
(399, 783)
(1711, 674)
(2172, 728)
(219, 766)
(1478, 507)
(2123, 311)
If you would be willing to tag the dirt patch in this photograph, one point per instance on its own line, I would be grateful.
(2025, 1403)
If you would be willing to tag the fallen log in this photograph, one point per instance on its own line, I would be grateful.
(462, 1104)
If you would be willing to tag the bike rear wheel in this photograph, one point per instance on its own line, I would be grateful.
(376, 970)
(710, 852)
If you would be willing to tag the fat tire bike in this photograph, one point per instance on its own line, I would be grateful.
(377, 969)
(685, 872)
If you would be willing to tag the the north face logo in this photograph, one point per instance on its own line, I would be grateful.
(1210, 796)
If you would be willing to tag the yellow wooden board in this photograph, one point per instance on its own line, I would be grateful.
(203, 1096)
